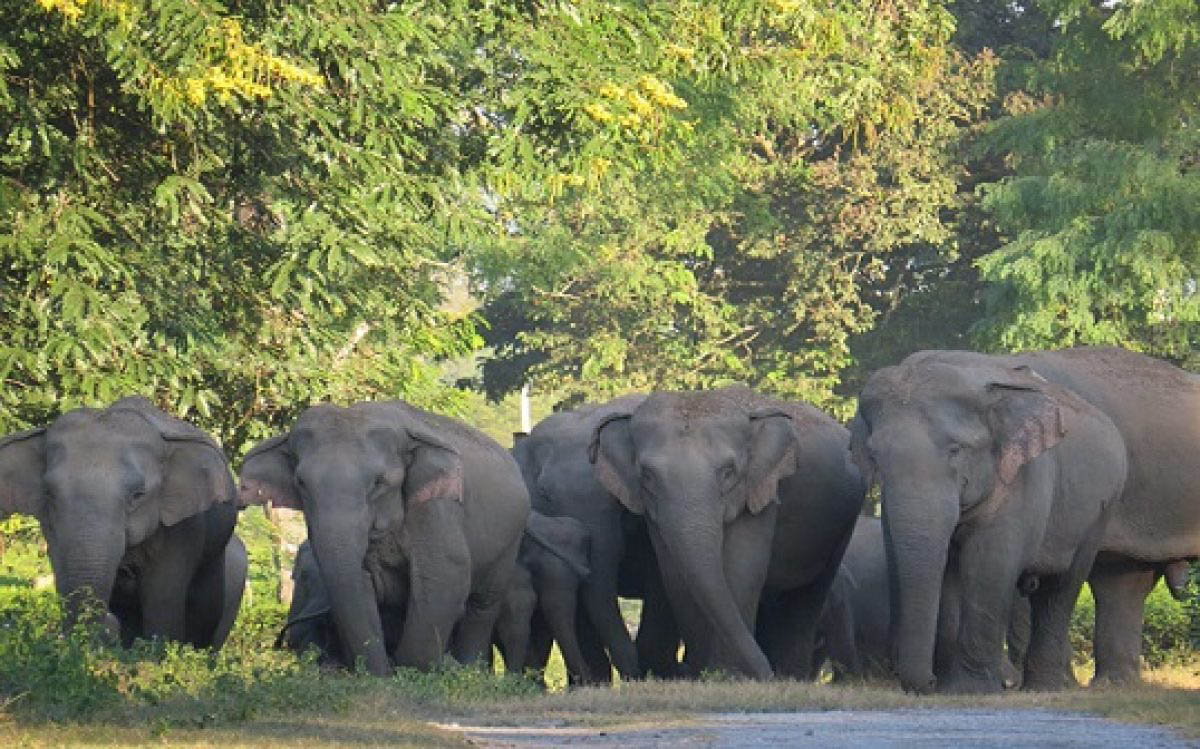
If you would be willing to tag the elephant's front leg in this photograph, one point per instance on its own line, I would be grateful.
(472, 639)
(990, 562)
(1048, 658)
(439, 564)
(558, 601)
(163, 590)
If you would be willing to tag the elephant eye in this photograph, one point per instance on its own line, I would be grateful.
(954, 451)
(728, 472)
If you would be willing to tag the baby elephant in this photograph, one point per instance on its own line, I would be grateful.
(541, 602)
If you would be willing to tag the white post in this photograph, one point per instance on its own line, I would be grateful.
(526, 421)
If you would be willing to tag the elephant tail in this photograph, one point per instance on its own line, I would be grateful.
(298, 620)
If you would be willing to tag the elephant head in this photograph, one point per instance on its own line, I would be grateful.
(948, 436)
(693, 463)
(355, 472)
(102, 481)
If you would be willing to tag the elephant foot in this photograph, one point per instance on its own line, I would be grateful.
(1115, 679)
(1053, 681)
(964, 682)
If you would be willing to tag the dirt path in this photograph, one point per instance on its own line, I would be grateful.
(835, 728)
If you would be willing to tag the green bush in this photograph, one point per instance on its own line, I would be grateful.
(1166, 632)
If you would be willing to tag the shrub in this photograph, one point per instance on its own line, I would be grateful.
(1166, 632)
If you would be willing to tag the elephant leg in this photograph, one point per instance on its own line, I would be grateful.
(592, 647)
(945, 652)
(473, 637)
(989, 569)
(598, 595)
(1120, 587)
(658, 634)
(233, 585)
(513, 630)
(163, 593)
(537, 655)
(1048, 661)
(559, 606)
(438, 588)
(1019, 626)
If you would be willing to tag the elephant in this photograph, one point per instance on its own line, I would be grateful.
(964, 441)
(310, 616)
(542, 602)
(836, 628)
(747, 500)
(554, 462)
(414, 519)
(138, 510)
(861, 600)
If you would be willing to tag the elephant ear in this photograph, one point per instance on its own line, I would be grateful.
(772, 457)
(859, 456)
(568, 541)
(196, 475)
(611, 454)
(268, 475)
(433, 469)
(1027, 418)
(22, 463)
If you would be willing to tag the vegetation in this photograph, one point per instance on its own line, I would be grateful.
(240, 207)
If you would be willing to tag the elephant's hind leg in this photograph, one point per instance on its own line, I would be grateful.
(1120, 588)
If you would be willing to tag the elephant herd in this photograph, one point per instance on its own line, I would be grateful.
(736, 518)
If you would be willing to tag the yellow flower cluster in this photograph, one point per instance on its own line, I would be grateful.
(245, 71)
(235, 66)
(660, 93)
(73, 9)
(640, 103)
(786, 6)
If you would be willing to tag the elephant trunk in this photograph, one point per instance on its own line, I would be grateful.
(917, 536)
(341, 549)
(694, 575)
(85, 554)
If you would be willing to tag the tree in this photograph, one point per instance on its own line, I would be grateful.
(731, 238)
(236, 214)
(1100, 219)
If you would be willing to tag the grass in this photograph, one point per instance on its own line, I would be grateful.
(400, 711)
(58, 691)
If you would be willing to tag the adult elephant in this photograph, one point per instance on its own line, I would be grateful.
(554, 462)
(138, 509)
(963, 439)
(413, 517)
(745, 498)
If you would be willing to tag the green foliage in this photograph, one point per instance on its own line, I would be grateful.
(736, 247)
(1100, 219)
(1166, 632)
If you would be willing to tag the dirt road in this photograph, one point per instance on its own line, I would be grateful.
(938, 727)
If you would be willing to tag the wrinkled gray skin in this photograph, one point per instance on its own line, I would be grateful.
(310, 616)
(542, 601)
(138, 508)
(554, 462)
(997, 465)
(746, 499)
(835, 639)
(414, 520)
(860, 598)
